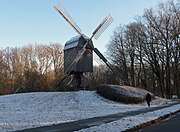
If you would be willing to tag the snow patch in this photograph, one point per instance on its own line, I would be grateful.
(130, 122)
(28, 110)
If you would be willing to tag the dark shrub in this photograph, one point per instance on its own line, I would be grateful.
(120, 94)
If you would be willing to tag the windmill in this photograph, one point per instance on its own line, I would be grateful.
(78, 51)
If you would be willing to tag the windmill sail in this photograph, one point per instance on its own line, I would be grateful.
(103, 58)
(68, 18)
(97, 33)
(102, 26)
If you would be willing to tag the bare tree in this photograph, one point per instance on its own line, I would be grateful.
(117, 52)
(147, 49)
(56, 52)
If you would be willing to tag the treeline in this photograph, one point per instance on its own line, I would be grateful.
(38, 68)
(30, 68)
(147, 52)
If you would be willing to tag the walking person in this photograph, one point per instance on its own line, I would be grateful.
(148, 99)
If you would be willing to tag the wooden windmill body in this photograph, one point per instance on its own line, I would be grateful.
(78, 51)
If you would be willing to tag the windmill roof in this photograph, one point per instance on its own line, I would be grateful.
(74, 41)
(77, 38)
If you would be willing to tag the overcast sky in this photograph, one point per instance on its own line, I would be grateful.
(35, 21)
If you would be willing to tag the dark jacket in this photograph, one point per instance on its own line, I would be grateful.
(148, 97)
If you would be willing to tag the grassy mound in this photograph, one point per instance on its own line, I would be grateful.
(124, 94)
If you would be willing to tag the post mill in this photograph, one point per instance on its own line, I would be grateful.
(78, 51)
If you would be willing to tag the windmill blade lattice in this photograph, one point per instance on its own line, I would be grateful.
(102, 26)
(68, 18)
(103, 58)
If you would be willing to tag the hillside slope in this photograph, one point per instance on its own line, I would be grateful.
(27, 110)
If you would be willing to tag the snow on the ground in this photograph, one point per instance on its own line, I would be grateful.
(28, 110)
(132, 121)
